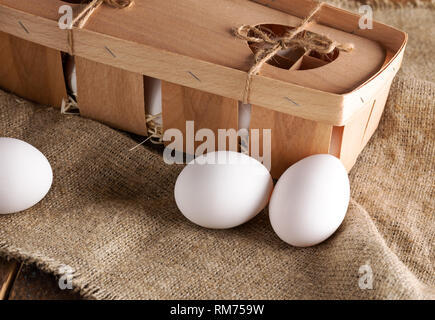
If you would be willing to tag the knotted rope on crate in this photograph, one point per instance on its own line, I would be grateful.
(84, 16)
(270, 44)
(86, 13)
(154, 129)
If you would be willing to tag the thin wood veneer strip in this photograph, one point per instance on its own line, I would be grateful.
(214, 78)
(111, 95)
(208, 77)
(292, 138)
(31, 71)
(181, 104)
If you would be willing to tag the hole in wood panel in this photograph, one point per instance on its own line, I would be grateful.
(69, 72)
(336, 139)
(290, 59)
(327, 58)
(244, 122)
(153, 99)
(368, 121)
(309, 62)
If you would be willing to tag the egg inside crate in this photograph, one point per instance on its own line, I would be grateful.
(244, 124)
(71, 75)
(25, 175)
(152, 89)
(153, 97)
(310, 200)
(222, 189)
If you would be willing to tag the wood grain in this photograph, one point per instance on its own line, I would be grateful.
(111, 95)
(31, 71)
(8, 272)
(48, 9)
(292, 138)
(122, 32)
(211, 39)
(376, 114)
(35, 21)
(214, 79)
(362, 126)
(336, 140)
(353, 133)
(181, 104)
(340, 19)
(134, 54)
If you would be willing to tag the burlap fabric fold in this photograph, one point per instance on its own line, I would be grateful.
(111, 218)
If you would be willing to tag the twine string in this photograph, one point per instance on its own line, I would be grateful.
(154, 129)
(82, 18)
(69, 106)
(270, 44)
(86, 13)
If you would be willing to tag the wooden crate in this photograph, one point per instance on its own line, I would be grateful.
(30, 52)
(331, 108)
(32, 47)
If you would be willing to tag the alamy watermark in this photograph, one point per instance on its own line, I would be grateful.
(66, 20)
(365, 281)
(366, 20)
(66, 277)
(247, 141)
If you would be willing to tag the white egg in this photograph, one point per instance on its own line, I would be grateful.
(25, 175)
(153, 97)
(244, 123)
(244, 115)
(222, 189)
(71, 75)
(310, 200)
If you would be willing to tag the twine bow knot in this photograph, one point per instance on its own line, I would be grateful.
(270, 44)
(119, 3)
(86, 13)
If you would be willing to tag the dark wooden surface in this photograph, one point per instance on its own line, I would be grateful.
(26, 282)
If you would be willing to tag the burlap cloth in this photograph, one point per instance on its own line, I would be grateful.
(111, 215)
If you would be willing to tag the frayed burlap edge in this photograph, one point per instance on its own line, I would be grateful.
(51, 266)
(80, 284)
(83, 286)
